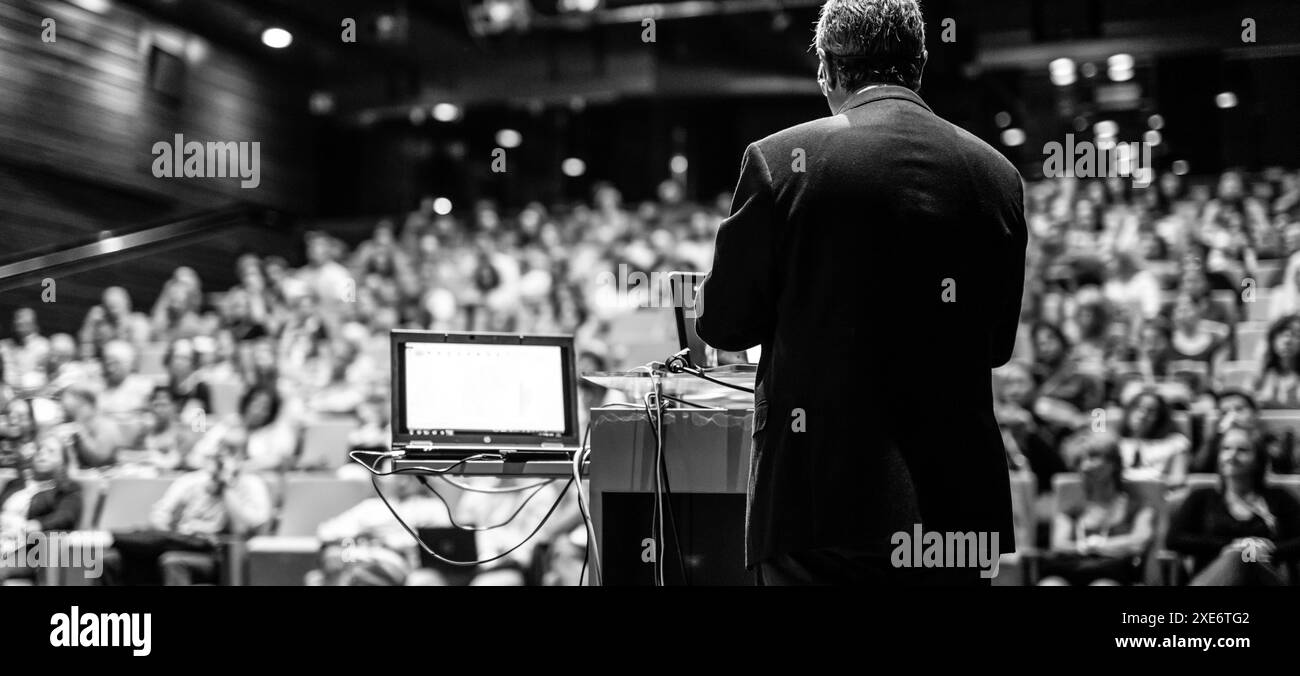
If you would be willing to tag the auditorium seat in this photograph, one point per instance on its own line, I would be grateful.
(128, 501)
(1259, 310)
(92, 492)
(1281, 419)
(310, 500)
(1250, 340)
(1270, 272)
(285, 557)
(1239, 374)
(325, 443)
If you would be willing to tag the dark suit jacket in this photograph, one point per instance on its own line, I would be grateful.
(58, 509)
(838, 269)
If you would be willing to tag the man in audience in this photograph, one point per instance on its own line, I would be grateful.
(25, 353)
(199, 509)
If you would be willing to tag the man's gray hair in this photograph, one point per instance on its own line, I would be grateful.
(872, 42)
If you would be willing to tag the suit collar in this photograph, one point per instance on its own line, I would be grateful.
(881, 92)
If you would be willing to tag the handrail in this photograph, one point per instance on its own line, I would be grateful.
(87, 254)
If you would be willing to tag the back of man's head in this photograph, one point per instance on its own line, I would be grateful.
(867, 42)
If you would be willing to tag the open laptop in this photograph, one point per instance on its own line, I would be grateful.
(460, 394)
(685, 288)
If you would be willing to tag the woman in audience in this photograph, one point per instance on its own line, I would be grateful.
(1242, 532)
(271, 439)
(41, 499)
(184, 378)
(1197, 339)
(1101, 540)
(1279, 382)
(168, 439)
(1150, 445)
(1237, 408)
(1036, 440)
(1066, 397)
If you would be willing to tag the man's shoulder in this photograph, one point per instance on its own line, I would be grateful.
(792, 137)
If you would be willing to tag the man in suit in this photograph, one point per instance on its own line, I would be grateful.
(877, 255)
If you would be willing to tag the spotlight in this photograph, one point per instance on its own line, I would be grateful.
(1156, 122)
(446, 112)
(1226, 100)
(442, 206)
(573, 167)
(1002, 120)
(1062, 71)
(678, 164)
(509, 138)
(1180, 167)
(1013, 137)
(1119, 67)
(277, 38)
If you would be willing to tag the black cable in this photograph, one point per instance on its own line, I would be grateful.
(683, 401)
(479, 529)
(468, 564)
(662, 466)
(586, 553)
(701, 374)
(407, 470)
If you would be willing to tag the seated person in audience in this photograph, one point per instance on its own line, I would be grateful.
(1102, 540)
(1195, 338)
(17, 430)
(1150, 445)
(126, 393)
(1089, 329)
(114, 319)
(222, 498)
(1243, 531)
(367, 534)
(1037, 441)
(271, 440)
(183, 377)
(41, 499)
(1238, 408)
(167, 439)
(1278, 385)
(24, 354)
(1066, 397)
(93, 438)
(63, 367)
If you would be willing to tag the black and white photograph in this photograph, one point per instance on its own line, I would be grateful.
(913, 297)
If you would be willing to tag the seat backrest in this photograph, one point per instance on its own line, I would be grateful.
(128, 501)
(1067, 487)
(1250, 340)
(92, 492)
(1291, 482)
(310, 500)
(225, 398)
(1259, 309)
(1239, 374)
(1281, 420)
(325, 443)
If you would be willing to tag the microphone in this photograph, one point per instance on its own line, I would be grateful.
(679, 361)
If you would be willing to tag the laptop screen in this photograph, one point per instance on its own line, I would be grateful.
(483, 389)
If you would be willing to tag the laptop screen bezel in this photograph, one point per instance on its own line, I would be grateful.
(402, 438)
